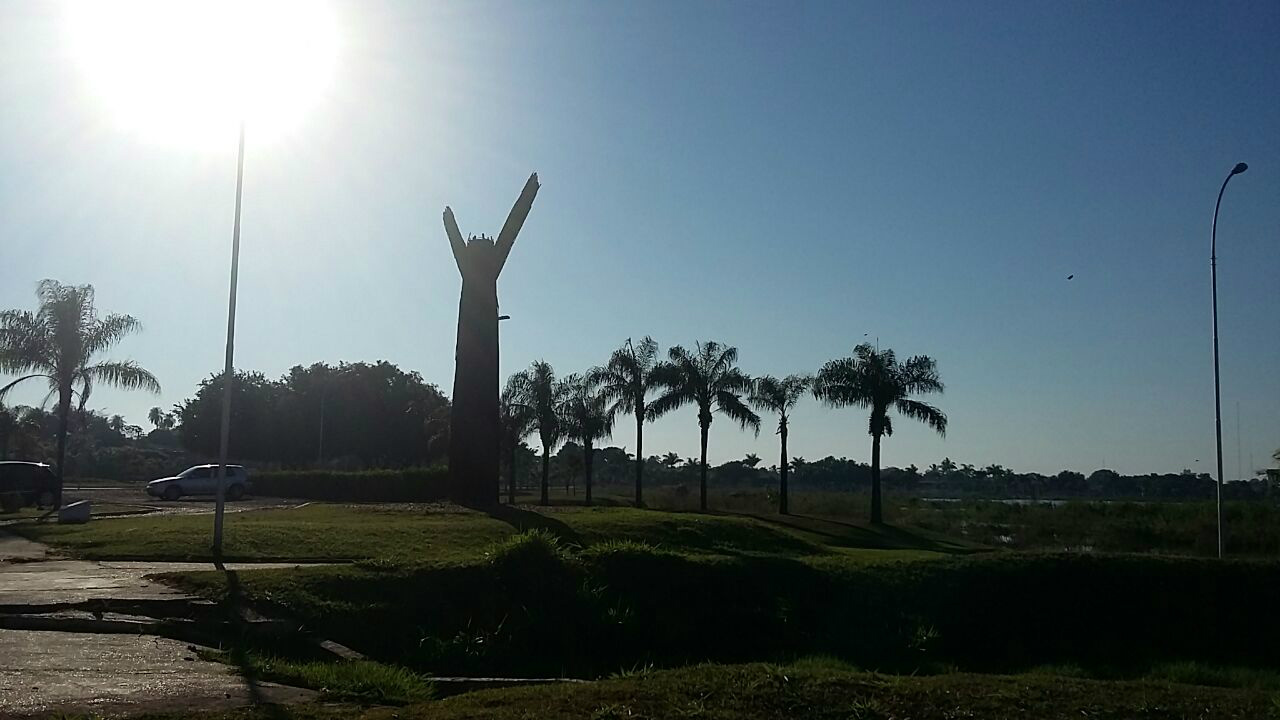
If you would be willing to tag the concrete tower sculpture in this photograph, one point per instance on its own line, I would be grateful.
(473, 424)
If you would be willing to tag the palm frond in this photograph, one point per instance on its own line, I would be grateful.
(672, 399)
(103, 335)
(924, 412)
(732, 407)
(767, 394)
(920, 376)
(841, 383)
(123, 374)
(5, 390)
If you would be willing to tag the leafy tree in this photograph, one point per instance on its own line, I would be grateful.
(516, 421)
(708, 379)
(376, 415)
(875, 380)
(587, 417)
(780, 396)
(544, 396)
(8, 422)
(627, 380)
(58, 343)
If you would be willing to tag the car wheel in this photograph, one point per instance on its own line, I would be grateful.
(235, 492)
(173, 492)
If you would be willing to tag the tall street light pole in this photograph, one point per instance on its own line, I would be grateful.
(228, 374)
(1217, 382)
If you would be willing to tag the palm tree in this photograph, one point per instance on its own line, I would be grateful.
(543, 395)
(117, 423)
(58, 342)
(587, 417)
(516, 421)
(708, 379)
(627, 380)
(780, 396)
(874, 379)
(155, 416)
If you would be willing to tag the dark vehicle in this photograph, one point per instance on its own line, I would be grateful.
(201, 480)
(24, 484)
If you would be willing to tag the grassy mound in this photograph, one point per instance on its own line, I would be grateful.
(534, 607)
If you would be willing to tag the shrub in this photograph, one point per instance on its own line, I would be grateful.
(428, 484)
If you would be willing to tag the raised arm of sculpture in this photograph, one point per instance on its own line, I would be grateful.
(455, 236)
(515, 220)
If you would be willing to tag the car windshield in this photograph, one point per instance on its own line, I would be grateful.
(197, 471)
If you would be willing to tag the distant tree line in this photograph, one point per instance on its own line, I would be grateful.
(98, 446)
(352, 415)
(946, 479)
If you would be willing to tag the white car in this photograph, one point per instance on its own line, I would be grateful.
(201, 480)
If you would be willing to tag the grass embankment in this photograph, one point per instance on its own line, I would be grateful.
(359, 681)
(444, 534)
(718, 692)
(533, 608)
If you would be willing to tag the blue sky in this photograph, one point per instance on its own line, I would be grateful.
(784, 177)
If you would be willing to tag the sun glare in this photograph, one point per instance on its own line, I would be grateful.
(187, 71)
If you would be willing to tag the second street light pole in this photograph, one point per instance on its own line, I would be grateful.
(1217, 383)
(228, 375)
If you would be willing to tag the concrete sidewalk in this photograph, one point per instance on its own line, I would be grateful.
(31, 575)
(53, 672)
(45, 672)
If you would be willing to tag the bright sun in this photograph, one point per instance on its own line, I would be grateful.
(187, 71)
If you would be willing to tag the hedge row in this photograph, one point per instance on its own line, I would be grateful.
(428, 484)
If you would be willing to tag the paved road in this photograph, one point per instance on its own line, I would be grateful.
(52, 671)
(125, 498)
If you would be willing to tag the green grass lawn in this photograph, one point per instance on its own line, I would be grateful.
(444, 533)
(757, 691)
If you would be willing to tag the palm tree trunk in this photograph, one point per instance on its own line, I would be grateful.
(588, 454)
(639, 452)
(546, 474)
(702, 497)
(511, 475)
(64, 413)
(782, 486)
(877, 516)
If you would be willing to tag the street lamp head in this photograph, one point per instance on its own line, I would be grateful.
(1239, 168)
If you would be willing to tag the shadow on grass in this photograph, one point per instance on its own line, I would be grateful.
(842, 533)
(523, 520)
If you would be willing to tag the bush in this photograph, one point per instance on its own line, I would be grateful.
(412, 485)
